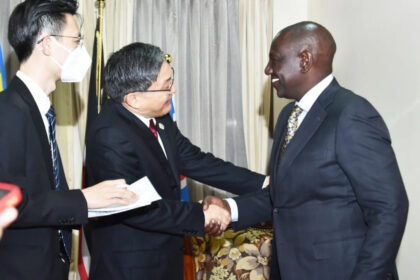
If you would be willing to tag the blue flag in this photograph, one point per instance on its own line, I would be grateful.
(3, 80)
(182, 178)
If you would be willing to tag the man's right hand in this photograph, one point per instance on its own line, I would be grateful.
(108, 193)
(217, 215)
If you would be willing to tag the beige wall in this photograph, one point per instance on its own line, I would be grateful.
(378, 57)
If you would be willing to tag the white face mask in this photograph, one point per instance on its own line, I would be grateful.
(76, 64)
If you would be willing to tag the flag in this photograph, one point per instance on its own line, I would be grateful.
(172, 111)
(96, 78)
(182, 178)
(184, 188)
(189, 267)
(3, 81)
(95, 89)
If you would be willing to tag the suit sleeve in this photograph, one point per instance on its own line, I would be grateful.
(208, 169)
(253, 208)
(364, 152)
(38, 208)
(111, 156)
(257, 207)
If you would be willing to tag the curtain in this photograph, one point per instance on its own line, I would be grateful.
(255, 22)
(10, 58)
(222, 254)
(203, 38)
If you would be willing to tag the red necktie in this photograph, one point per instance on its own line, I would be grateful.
(152, 128)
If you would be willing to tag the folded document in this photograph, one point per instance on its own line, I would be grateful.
(146, 194)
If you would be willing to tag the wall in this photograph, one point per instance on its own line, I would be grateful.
(285, 13)
(10, 59)
(377, 57)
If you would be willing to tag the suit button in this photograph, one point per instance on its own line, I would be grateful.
(276, 211)
(62, 257)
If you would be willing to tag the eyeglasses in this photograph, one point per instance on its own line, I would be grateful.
(79, 38)
(170, 86)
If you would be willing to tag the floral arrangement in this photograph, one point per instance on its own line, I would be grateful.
(234, 255)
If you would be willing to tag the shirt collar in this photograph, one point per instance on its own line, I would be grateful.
(311, 96)
(41, 98)
(145, 120)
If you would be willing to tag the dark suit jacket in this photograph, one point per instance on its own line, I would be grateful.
(30, 247)
(337, 200)
(148, 242)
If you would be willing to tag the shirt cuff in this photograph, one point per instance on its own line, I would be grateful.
(233, 209)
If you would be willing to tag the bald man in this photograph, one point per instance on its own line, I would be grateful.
(336, 198)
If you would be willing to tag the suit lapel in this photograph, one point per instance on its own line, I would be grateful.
(166, 143)
(143, 132)
(281, 127)
(20, 88)
(307, 129)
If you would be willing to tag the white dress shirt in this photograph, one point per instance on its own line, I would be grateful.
(41, 98)
(305, 104)
(311, 96)
(42, 102)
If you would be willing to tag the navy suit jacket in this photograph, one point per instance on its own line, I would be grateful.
(148, 242)
(30, 246)
(336, 198)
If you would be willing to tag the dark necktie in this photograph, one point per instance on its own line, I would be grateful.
(65, 235)
(152, 128)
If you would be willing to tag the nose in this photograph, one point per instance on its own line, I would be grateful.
(268, 70)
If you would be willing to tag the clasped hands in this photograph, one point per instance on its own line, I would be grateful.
(216, 215)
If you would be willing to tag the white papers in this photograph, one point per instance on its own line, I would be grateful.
(146, 194)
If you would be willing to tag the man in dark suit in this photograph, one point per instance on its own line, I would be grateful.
(134, 136)
(336, 198)
(46, 38)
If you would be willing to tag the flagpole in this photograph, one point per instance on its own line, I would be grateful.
(100, 4)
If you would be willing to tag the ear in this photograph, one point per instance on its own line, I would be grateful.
(130, 99)
(306, 61)
(45, 46)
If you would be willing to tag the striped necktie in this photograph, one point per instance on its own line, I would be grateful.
(64, 235)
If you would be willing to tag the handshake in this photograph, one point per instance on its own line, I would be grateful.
(217, 215)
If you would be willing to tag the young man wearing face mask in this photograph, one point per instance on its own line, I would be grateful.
(47, 41)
